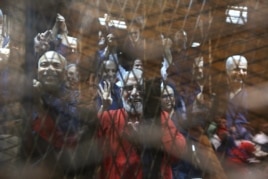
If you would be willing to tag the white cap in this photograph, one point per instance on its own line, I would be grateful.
(235, 61)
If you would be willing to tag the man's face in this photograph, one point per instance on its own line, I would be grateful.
(72, 77)
(51, 70)
(180, 39)
(167, 99)
(138, 64)
(110, 71)
(198, 68)
(132, 95)
(111, 41)
(238, 73)
(102, 40)
(134, 34)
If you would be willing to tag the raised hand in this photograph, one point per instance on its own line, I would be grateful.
(37, 86)
(42, 40)
(133, 125)
(105, 94)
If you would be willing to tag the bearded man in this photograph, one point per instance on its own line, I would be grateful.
(124, 135)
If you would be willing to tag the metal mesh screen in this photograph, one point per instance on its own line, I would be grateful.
(51, 122)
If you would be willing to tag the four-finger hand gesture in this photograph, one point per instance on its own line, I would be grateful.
(105, 94)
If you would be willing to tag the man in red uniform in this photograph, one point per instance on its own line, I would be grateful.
(123, 133)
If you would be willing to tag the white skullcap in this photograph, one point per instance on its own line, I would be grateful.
(235, 61)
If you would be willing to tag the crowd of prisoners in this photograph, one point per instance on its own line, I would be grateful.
(171, 125)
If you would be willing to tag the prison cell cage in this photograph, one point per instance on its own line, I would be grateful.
(207, 30)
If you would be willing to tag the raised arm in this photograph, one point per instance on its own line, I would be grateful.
(173, 141)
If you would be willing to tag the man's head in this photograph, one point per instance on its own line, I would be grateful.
(198, 68)
(138, 64)
(236, 69)
(72, 74)
(102, 40)
(167, 98)
(51, 70)
(132, 92)
(111, 40)
(109, 71)
(134, 33)
(180, 39)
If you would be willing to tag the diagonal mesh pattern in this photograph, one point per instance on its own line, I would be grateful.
(103, 119)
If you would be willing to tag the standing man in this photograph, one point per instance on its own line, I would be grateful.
(200, 98)
(109, 72)
(190, 166)
(134, 46)
(170, 103)
(72, 83)
(179, 71)
(55, 120)
(123, 132)
(167, 56)
(73, 76)
(236, 112)
(54, 123)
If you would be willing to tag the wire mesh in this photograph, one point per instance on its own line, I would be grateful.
(47, 136)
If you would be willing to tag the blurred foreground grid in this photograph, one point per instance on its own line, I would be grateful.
(171, 38)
